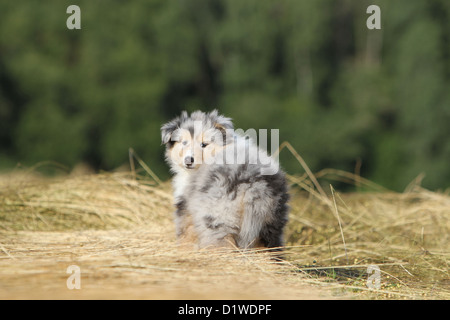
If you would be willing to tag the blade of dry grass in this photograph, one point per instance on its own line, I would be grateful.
(339, 221)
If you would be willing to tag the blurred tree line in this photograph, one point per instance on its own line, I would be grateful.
(341, 94)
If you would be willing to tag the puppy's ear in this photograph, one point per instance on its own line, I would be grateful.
(169, 128)
(221, 122)
(167, 131)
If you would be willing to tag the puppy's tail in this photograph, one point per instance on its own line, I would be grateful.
(260, 227)
(265, 215)
(252, 223)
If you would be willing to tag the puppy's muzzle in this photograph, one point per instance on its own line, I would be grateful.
(189, 162)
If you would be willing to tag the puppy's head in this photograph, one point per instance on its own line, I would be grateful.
(195, 140)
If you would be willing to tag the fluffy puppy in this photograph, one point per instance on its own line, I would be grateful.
(227, 191)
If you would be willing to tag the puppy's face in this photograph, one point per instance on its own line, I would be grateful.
(194, 141)
(190, 150)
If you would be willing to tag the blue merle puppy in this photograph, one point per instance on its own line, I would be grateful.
(227, 191)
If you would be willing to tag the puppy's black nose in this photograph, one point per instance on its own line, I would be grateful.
(189, 160)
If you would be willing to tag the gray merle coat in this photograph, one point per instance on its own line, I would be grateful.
(228, 192)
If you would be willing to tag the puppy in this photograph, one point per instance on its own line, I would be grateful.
(227, 191)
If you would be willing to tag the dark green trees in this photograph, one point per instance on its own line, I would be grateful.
(339, 93)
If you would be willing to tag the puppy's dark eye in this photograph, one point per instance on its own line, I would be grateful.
(184, 142)
(203, 145)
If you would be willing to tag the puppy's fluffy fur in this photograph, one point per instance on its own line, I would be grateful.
(221, 202)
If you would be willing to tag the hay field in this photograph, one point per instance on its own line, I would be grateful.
(117, 228)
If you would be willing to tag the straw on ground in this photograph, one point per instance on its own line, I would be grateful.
(118, 228)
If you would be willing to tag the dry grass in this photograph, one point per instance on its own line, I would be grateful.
(117, 227)
(406, 235)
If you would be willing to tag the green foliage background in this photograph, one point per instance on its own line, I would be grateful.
(339, 93)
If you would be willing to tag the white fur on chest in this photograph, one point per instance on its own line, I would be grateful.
(180, 182)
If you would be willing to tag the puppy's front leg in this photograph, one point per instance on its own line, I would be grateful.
(186, 233)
